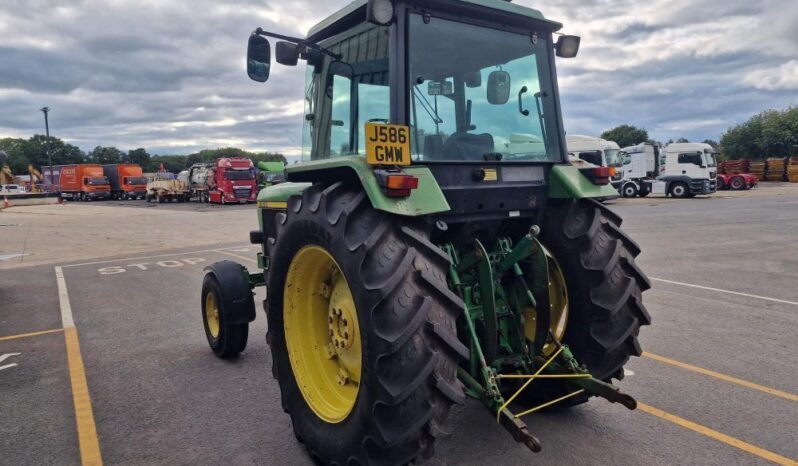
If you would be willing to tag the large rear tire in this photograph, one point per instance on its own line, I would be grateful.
(408, 346)
(605, 288)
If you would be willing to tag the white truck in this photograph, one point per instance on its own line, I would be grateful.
(640, 167)
(597, 151)
(687, 169)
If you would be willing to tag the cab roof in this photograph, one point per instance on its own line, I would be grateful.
(352, 14)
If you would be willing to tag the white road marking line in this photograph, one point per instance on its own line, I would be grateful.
(149, 257)
(6, 356)
(627, 372)
(12, 256)
(708, 288)
(63, 299)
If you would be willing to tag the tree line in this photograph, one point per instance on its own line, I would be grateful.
(33, 151)
(772, 133)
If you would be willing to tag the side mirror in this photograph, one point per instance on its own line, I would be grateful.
(286, 53)
(567, 46)
(473, 80)
(259, 58)
(498, 87)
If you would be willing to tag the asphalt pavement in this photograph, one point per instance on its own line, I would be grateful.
(717, 385)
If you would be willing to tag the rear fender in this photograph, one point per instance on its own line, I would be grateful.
(566, 182)
(239, 301)
(426, 199)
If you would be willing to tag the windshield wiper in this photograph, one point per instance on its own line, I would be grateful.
(427, 106)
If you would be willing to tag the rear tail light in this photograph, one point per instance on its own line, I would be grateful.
(396, 183)
(599, 175)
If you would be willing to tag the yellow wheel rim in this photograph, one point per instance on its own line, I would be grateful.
(212, 314)
(558, 297)
(322, 334)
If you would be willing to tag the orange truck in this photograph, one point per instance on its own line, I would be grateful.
(127, 181)
(83, 182)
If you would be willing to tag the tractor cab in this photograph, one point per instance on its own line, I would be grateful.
(466, 88)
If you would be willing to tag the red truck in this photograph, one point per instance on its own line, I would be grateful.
(229, 180)
(127, 181)
(84, 182)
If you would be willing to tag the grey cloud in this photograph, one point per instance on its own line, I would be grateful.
(170, 76)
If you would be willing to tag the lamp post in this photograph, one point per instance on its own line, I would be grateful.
(46, 110)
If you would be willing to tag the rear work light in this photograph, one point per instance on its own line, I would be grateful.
(599, 175)
(396, 183)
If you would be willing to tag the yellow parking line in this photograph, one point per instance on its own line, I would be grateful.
(237, 256)
(31, 334)
(724, 377)
(87, 431)
(713, 434)
(84, 416)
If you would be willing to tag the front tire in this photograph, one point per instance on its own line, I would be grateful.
(680, 190)
(406, 322)
(225, 339)
(605, 289)
(629, 190)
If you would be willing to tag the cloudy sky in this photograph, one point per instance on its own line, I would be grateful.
(169, 75)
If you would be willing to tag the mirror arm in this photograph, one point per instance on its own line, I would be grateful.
(298, 41)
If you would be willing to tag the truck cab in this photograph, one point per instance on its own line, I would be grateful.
(235, 181)
(688, 169)
(597, 151)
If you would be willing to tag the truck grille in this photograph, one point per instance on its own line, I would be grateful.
(242, 192)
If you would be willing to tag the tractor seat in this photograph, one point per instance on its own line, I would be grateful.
(467, 146)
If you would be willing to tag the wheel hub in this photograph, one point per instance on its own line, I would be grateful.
(322, 334)
(212, 314)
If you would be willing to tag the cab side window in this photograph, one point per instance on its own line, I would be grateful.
(695, 159)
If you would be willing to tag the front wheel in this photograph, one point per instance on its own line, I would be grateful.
(361, 329)
(226, 339)
(680, 190)
(629, 190)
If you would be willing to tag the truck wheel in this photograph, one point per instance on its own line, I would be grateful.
(226, 340)
(737, 183)
(604, 288)
(680, 190)
(361, 329)
(148, 198)
(161, 199)
(629, 190)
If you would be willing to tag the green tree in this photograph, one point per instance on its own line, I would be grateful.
(772, 133)
(141, 157)
(33, 151)
(682, 140)
(103, 155)
(626, 135)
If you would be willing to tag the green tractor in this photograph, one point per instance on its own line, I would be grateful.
(434, 243)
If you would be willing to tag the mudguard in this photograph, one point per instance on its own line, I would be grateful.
(566, 182)
(426, 199)
(237, 296)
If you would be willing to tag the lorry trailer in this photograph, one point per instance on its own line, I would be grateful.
(82, 182)
(127, 181)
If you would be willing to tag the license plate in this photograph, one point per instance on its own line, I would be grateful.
(387, 144)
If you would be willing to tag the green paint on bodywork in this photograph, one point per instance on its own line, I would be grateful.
(566, 182)
(281, 192)
(426, 199)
